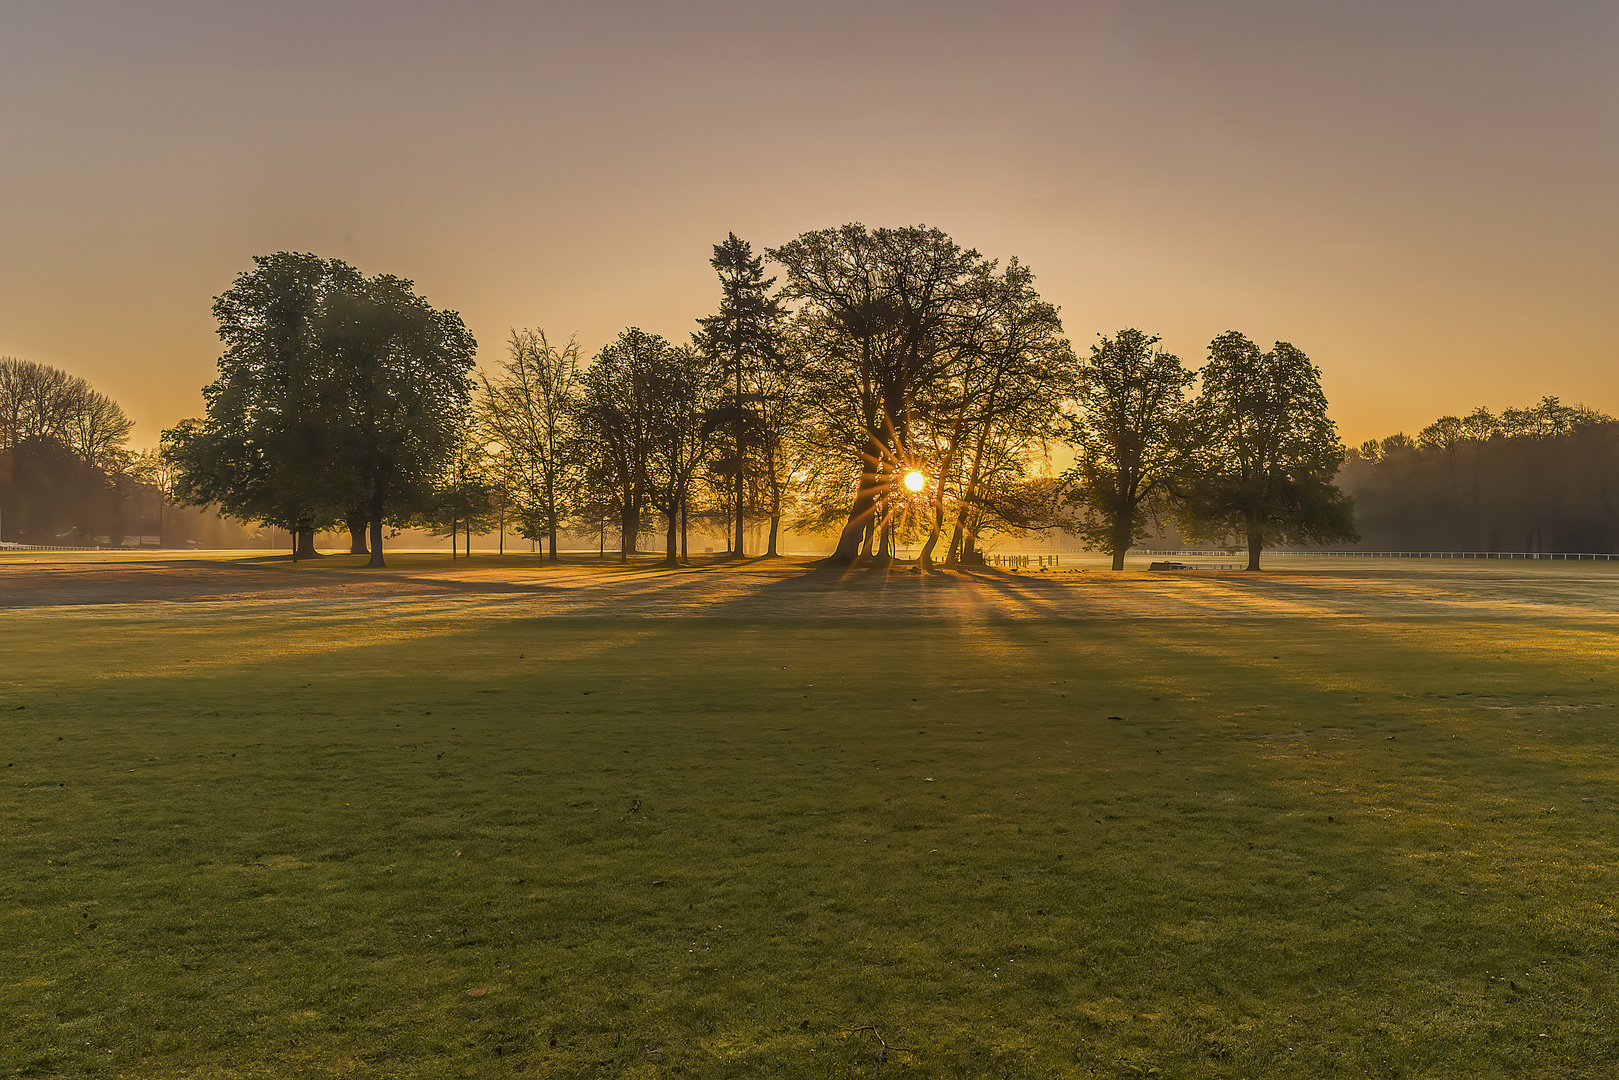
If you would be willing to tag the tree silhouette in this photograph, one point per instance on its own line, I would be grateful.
(880, 312)
(1128, 437)
(529, 410)
(745, 337)
(1265, 453)
(337, 395)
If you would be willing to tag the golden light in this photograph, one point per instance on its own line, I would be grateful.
(914, 480)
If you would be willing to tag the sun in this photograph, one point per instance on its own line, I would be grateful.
(914, 480)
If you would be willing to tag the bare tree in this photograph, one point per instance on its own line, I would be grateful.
(529, 409)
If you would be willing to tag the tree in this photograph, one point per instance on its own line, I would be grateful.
(338, 398)
(1545, 480)
(880, 312)
(745, 336)
(1266, 453)
(528, 409)
(616, 423)
(153, 468)
(686, 388)
(264, 451)
(1012, 370)
(403, 368)
(467, 495)
(62, 445)
(1128, 438)
(781, 411)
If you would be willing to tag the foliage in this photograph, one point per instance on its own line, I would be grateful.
(41, 402)
(745, 339)
(402, 368)
(881, 317)
(1129, 437)
(265, 450)
(617, 421)
(63, 466)
(1011, 372)
(468, 497)
(335, 392)
(687, 388)
(1264, 454)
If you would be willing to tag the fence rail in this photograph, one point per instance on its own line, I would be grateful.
(1598, 556)
(102, 547)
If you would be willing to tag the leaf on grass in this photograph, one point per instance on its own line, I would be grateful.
(477, 992)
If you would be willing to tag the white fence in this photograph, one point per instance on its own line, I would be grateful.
(1400, 554)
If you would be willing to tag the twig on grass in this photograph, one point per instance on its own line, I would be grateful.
(882, 1053)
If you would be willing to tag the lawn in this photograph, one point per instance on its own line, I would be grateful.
(284, 839)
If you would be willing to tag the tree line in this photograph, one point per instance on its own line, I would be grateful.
(1537, 479)
(894, 388)
(63, 465)
(68, 477)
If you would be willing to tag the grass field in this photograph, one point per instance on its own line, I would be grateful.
(287, 836)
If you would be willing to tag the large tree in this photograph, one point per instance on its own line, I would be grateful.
(1012, 369)
(880, 313)
(1266, 452)
(403, 368)
(263, 451)
(745, 337)
(338, 398)
(616, 421)
(1128, 435)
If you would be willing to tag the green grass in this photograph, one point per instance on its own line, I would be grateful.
(286, 846)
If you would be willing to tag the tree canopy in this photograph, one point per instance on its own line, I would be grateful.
(1129, 435)
(338, 395)
(1263, 452)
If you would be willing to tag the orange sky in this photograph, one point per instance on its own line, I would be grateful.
(1419, 195)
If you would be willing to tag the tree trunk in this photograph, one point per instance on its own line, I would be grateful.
(629, 528)
(376, 529)
(861, 514)
(551, 515)
(469, 539)
(671, 554)
(1121, 544)
(775, 523)
(926, 557)
(1256, 542)
(306, 545)
(455, 525)
(358, 519)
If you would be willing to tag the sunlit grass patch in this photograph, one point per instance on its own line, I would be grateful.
(716, 848)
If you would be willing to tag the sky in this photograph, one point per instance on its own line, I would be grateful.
(1420, 195)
